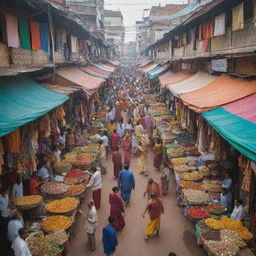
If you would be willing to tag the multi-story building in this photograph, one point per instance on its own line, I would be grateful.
(114, 30)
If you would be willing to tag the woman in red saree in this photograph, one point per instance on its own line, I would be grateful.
(115, 140)
(117, 161)
(127, 144)
(116, 209)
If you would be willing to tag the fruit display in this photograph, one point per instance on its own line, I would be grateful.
(56, 223)
(220, 248)
(62, 166)
(198, 212)
(71, 157)
(190, 185)
(193, 176)
(77, 174)
(183, 168)
(179, 161)
(54, 188)
(212, 186)
(40, 245)
(213, 235)
(59, 237)
(75, 190)
(195, 196)
(64, 205)
(92, 148)
(28, 202)
(231, 236)
(175, 152)
(216, 209)
(214, 223)
(204, 170)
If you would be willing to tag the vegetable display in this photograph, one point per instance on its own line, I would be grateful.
(198, 212)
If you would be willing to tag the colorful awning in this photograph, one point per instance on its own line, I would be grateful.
(22, 100)
(197, 81)
(144, 62)
(91, 70)
(175, 78)
(157, 72)
(104, 68)
(90, 84)
(236, 123)
(220, 91)
(165, 77)
(149, 68)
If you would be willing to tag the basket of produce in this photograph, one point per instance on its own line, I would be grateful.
(75, 190)
(211, 234)
(190, 185)
(56, 223)
(59, 237)
(63, 206)
(54, 188)
(204, 170)
(29, 202)
(196, 213)
(92, 148)
(192, 176)
(184, 168)
(179, 161)
(231, 236)
(61, 167)
(214, 223)
(212, 186)
(198, 197)
(40, 245)
(175, 152)
(216, 209)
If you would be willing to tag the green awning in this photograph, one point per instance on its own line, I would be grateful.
(22, 100)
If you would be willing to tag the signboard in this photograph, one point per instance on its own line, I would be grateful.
(220, 65)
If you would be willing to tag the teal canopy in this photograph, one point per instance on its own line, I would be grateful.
(22, 100)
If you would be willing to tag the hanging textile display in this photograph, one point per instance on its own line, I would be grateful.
(12, 31)
(206, 45)
(24, 34)
(35, 36)
(238, 17)
(13, 141)
(245, 165)
(220, 25)
(44, 36)
(74, 44)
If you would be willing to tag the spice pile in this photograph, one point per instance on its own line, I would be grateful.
(75, 190)
(56, 223)
(64, 205)
(28, 200)
(198, 212)
(190, 185)
(54, 188)
(195, 196)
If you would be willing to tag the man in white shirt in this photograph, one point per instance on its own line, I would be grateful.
(91, 224)
(96, 184)
(43, 172)
(19, 245)
(104, 138)
(17, 189)
(14, 226)
(238, 211)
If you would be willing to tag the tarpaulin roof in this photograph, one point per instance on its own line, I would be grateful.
(102, 67)
(236, 123)
(62, 88)
(165, 76)
(110, 66)
(220, 91)
(188, 9)
(157, 72)
(149, 67)
(89, 83)
(193, 83)
(144, 62)
(91, 70)
(22, 100)
(175, 78)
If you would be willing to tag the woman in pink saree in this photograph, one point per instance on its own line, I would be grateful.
(127, 144)
(117, 209)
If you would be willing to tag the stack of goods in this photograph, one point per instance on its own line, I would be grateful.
(75, 190)
(56, 223)
(40, 245)
(59, 237)
(179, 161)
(212, 186)
(65, 206)
(213, 235)
(197, 197)
(61, 167)
(190, 185)
(192, 176)
(197, 213)
(204, 170)
(29, 202)
(54, 188)
(76, 176)
(80, 160)
(175, 152)
(191, 151)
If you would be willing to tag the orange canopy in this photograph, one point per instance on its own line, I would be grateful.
(221, 91)
(173, 79)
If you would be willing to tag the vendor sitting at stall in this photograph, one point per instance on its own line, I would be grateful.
(34, 184)
(238, 212)
(44, 172)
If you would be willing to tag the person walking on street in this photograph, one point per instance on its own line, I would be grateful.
(127, 145)
(117, 209)
(141, 154)
(155, 209)
(153, 187)
(126, 183)
(158, 154)
(91, 224)
(109, 238)
(115, 140)
(96, 184)
(102, 157)
(117, 161)
(165, 176)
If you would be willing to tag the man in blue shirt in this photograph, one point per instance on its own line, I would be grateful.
(126, 183)
(109, 238)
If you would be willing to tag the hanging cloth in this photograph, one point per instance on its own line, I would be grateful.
(12, 31)
(35, 36)
(206, 45)
(200, 33)
(24, 34)
(74, 47)
(44, 36)
(238, 17)
(14, 141)
(219, 25)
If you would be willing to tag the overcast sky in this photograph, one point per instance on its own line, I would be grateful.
(132, 11)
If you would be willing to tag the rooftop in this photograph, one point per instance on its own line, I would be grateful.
(166, 10)
(110, 13)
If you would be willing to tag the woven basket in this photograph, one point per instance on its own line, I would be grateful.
(30, 206)
(52, 231)
(62, 167)
(65, 212)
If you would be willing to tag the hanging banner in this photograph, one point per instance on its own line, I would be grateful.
(220, 65)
